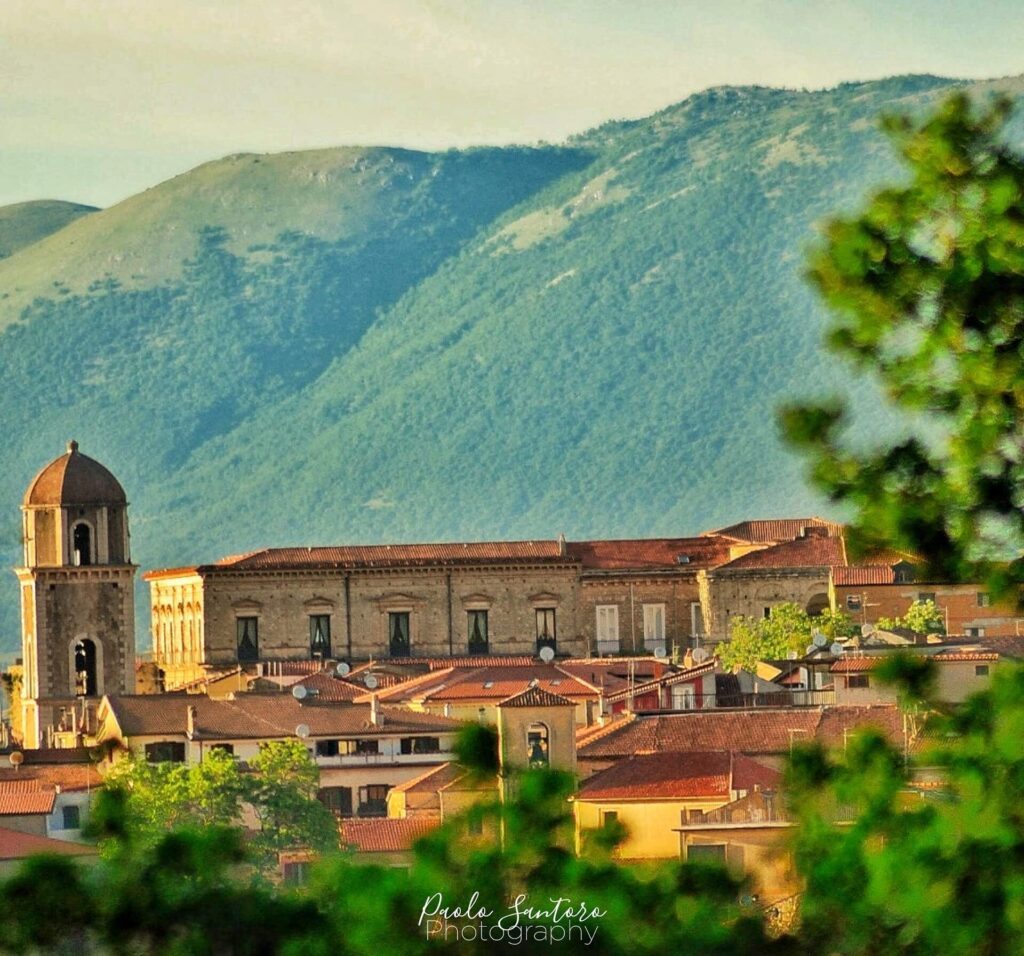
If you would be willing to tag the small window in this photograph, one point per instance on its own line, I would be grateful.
(766, 612)
(609, 817)
(476, 624)
(983, 599)
(981, 670)
(607, 628)
(538, 745)
(974, 631)
(319, 636)
(853, 602)
(247, 635)
(71, 818)
(546, 635)
(81, 540)
(295, 874)
(398, 634)
(337, 799)
(854, 681)
(226, 748)
(421, 745)
(373, 800)
(166, 751)
(367, 746)
(706, 852)
(475, 825)
(926, 596)
(654, 624)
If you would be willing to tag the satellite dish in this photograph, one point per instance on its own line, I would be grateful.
(700, 655)
(660, 652)
(302, 730)
(837, 649)
(342, 669)
(17, 758)
(792, 656)
(370, 681)
(820, 640)
(299, 692)
(547, 654)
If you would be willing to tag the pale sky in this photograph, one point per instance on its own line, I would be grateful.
(102, 98)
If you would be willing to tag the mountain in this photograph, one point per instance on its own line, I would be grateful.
(26, 222)
(379, 344)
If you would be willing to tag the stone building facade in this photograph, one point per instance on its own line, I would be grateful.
(77, 598)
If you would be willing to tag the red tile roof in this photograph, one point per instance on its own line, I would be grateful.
(431, 780)
(15, 845)
(536, 697)
(670, 678)
(20, 799)
(672, 776)
(661, 554)
(773, 530)
(812, 552)
(264, 716)
(750, 731)
(332, 688)
(386, 835)
(749, 774)
(859, 665)
(66, 776)
(863, 574)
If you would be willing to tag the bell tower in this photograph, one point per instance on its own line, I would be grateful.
(77, 597)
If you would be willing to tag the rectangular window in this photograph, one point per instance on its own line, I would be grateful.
(857, 680)
(696, 619)
(684, 697)
(981, 670)
(320, 636)
(853, 602)
(476, 627)
(227, 748)
(421, 745)
(607, 628)
(654, 625)
(608, 817)
(295, 874)
(706, 852)
(373, 800)
(974, 631)
(926, 596)
(71, 818)
(983, 599)
(766, 612)
(546, 636)
(367, 747)
(398, 634)
(327, 748)
(166, 751)
(247, 635)
(337, 799)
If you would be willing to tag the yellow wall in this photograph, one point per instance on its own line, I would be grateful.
(651, 824)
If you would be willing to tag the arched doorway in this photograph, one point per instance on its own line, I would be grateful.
(818, 603)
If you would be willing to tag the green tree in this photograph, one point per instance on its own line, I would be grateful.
(788, 628)
(922, 617)
(927, 286)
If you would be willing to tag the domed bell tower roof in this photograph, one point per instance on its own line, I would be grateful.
(74, 479)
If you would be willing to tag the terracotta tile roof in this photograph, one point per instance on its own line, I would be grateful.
(18, 799)
(670, 678)
(492, 683)
(749, 774)
(672, 776)
(406, 555)
(536, 697)
(65, 776)
(864, 574)
(386, 835)
(15, 845)
(431, 780)
(662, 554)
(810, 552)
(264, 716)
(749, 731)
(860, 665)
(332, 688)
(773, 530)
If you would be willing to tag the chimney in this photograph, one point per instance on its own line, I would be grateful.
(190, 722)
(375, 717)
(561, 544)
(688, 659)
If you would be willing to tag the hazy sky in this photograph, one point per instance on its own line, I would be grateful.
(101, 98)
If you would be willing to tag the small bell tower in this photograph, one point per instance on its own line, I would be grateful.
(77, 597)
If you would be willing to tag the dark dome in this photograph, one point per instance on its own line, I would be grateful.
(74, 479)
